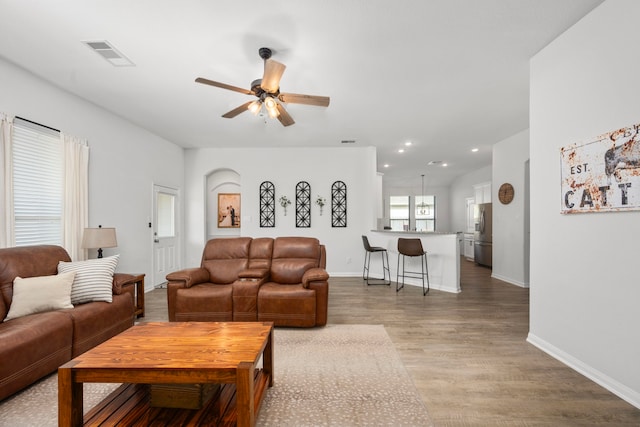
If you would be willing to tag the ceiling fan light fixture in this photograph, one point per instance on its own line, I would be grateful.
(267, 90)
(273, 112)
(272, 107)
(255, 107)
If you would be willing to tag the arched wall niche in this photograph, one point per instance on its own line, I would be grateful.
(219, 181)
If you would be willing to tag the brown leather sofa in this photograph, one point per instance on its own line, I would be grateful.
(281, 280)
(35, 345)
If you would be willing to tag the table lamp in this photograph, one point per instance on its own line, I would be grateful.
(98, 238)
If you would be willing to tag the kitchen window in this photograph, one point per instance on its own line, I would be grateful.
(399, 213)
(425, 213)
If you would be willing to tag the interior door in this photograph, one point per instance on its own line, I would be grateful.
(166, 235)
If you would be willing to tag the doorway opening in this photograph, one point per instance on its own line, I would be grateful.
(223, 201)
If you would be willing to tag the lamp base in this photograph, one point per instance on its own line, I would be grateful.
(99, 252)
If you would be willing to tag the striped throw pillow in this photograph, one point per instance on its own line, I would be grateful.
(94, 279)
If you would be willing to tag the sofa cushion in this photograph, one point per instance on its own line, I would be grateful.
(40, 294)
(287, 305)
(260, 253)
(94, 279)
(225, 258)
(96, 322)
(205, 302)
(292, 256)
(32, 347)
(26, 261)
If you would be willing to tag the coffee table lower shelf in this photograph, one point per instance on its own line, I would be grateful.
(129, 405)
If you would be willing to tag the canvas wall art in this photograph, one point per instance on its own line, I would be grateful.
(602, 175)
(228, 210)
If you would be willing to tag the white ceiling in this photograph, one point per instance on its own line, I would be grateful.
(446, 75)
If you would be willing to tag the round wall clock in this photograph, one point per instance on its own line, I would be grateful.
(506, 193)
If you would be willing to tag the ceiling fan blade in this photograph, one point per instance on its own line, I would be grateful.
(273, 71)
(241, 109)
(284, 116)
(223, 86)
(295, 98)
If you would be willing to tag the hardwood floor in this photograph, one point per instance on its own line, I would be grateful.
(467, 353)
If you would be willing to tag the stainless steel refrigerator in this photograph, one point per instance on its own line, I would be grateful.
(482, 238)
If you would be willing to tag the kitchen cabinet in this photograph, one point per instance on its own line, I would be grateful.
(468, 246)
(483, 192)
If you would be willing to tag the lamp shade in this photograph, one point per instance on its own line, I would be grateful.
(99, 238)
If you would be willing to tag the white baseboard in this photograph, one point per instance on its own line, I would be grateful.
(615, 387)
(510, 280)
(352, 274)
(408, 281)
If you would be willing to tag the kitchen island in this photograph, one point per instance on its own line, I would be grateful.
(443, 255)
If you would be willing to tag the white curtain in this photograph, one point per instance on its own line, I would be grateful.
(7, 236)
(75, 211)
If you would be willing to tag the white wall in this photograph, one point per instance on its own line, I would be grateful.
(510, 231)
(285, 167)
(125, 160)
(585, 292)
(462, 188)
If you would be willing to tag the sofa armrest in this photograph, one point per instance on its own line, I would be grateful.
(314, 275)
(120, 280)
(254, 273)
(189, 276)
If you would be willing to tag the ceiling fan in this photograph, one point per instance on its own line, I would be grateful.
(267, 90)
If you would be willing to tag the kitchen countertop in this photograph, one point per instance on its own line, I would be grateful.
(419, 232)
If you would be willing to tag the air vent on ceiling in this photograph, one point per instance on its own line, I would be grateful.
(110, 53)
(348, 141)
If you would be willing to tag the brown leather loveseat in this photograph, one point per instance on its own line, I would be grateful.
(35, 345)
(281, 280)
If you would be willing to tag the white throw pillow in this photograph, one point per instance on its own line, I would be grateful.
(94, 279)
(39, 294)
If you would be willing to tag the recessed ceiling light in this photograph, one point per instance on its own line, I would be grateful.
(401, 150)
(408, 143)
(474, 150)
(386, 165)
(444, 165)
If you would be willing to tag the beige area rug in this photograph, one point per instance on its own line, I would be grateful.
(339, 375)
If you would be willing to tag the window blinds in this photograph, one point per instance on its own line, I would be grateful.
(37, 184)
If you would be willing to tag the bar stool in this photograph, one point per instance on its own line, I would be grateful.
(412, 248)
(367, 261)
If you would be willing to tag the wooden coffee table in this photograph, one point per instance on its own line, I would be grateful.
(174, 353)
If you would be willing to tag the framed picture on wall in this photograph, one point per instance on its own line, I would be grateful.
(228, 210)
(602, 175)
